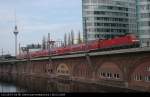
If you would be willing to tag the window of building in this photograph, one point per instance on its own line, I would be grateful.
(137, 77)
(147, 68)
(58, 71)
(147, 78)
(116, 76)
(101, 74)
(86, 1)
(108, 75)
(104, 74)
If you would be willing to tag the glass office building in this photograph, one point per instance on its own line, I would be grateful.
(104, 19)
(143, 10)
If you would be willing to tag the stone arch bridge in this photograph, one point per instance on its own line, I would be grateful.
(128, 68)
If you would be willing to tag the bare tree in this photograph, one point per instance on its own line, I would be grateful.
(72, 37)
(69, 39)
(65, 39)
(79, 38)
(44, 43)
(48, 41)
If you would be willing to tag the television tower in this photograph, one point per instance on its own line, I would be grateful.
(16, 32)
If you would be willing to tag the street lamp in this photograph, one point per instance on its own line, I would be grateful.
(16, 32)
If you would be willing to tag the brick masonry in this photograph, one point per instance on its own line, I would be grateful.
(117, 70)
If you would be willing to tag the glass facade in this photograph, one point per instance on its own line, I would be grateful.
(143, 7)
(104, 19)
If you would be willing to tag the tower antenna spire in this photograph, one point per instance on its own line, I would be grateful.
(15, 20)
(15, 17)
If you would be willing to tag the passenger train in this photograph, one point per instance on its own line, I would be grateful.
(122, 42)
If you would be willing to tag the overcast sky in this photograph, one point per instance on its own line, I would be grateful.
(37, 18)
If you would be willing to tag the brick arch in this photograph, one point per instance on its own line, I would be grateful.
(109, 68)
(82, 71)
(139, 75)
(138, 63)
(100, 62)
(108, 62)
(141, 68)
(63, 69)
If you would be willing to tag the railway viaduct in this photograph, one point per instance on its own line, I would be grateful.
(127, 68)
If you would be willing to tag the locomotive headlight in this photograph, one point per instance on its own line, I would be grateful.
(135, 40)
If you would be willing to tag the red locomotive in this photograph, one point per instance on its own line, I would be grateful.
(127, 41)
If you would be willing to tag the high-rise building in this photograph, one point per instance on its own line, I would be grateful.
(104, 19)
(143, 10)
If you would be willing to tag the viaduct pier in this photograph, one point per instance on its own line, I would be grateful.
(126, 68)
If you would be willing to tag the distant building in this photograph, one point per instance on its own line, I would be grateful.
(143, 9)
(104, 19)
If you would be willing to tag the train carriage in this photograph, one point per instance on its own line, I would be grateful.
(93, 45)
(126, 41)
(78, 47)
